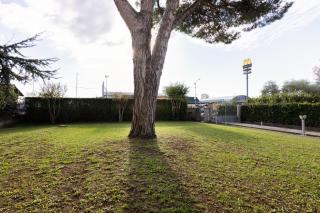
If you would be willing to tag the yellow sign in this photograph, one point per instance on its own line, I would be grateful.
(247, 62)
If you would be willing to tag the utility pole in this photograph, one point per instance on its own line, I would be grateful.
(247, 69)
(195, 91)
(76, 84)
(106, 76)
(103, 91)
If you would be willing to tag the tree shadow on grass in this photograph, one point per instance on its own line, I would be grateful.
(152, 185)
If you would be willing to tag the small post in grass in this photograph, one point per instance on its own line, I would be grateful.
(303, 124)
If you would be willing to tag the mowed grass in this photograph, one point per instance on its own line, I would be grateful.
(191, 167)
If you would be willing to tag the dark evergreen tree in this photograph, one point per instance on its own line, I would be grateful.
(15, 66)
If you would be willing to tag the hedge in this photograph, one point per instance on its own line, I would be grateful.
(284, 114)
(93, 110)
(286, 98)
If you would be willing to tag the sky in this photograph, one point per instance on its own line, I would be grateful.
(90, 38)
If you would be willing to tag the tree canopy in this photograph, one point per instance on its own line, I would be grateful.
(316, 71)
(222, 20)
(300, 86)
(14, 65)
(53, 92)
(270, 88)
(8, 98)
(177, 91)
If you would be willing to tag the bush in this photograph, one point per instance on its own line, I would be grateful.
(93, 110)
(285, 98)
(285, 114)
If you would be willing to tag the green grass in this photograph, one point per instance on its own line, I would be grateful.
(191, 167)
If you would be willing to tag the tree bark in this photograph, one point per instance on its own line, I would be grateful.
(147, 64)
(146, 83)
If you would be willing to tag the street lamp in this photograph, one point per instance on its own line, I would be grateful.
(247, 69)
(195, 91)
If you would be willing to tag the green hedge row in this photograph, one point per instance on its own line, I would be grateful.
(285, 114)
(93, 110)
(285, 98)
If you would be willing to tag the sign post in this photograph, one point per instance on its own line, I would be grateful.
(303, 124)
(247, 69)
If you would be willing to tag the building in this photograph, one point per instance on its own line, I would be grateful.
(239, 99)
(192, 103)
(130, 95)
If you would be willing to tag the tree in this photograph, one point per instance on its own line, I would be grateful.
(211, 20)
(53, 93)
(300, 86)
(316, 71)
(177, 94)
(8, 99)
(270, 88)
(121, 102)
(16, 66)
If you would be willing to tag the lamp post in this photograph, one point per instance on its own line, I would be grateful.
(106, 76)
(195, 91)
(247, 69)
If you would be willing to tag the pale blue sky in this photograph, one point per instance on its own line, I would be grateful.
(92, 40)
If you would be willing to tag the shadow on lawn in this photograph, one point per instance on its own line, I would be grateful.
(152, 185)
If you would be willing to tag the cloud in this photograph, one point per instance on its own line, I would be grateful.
(20, 2)
(88, 19)
(302, 13)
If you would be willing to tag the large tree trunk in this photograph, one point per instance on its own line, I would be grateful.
(147, 65)
(145, 98)
(146, 84)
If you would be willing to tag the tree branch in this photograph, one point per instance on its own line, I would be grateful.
(182, 16)
(128, 13)
(161, 43)
(147, 6)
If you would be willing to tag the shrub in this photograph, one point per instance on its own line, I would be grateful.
(285, 98)
(93, 110)
(285, 114)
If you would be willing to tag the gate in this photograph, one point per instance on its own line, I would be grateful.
(222, 113)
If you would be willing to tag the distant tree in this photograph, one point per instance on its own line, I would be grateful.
(177, 94)
(211, 20)
(270, 88)
(121, 102)
(300, 86)
(316, 71)
(14, 65)
(53, 92)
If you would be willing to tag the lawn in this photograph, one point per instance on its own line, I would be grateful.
(191, 167)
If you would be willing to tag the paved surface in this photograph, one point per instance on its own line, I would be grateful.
(278, 129)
